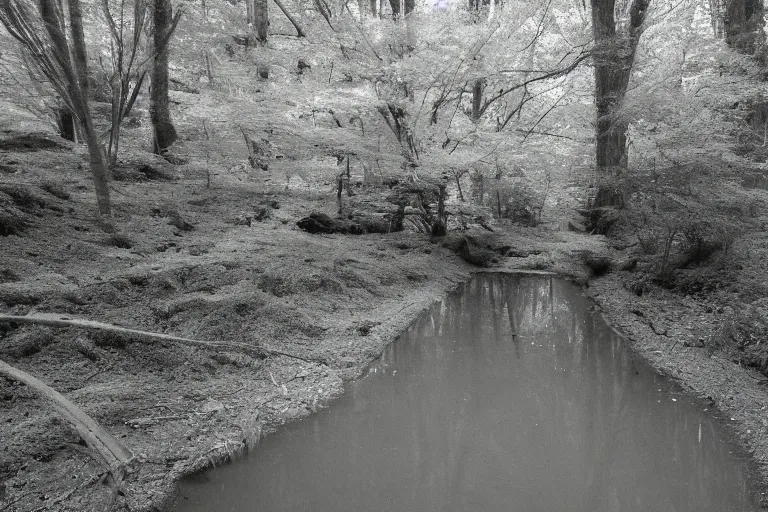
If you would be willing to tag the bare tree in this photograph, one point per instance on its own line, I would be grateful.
(127, 73)
(258, 20)
(57, 49)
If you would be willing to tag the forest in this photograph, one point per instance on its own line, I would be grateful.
(214, 214)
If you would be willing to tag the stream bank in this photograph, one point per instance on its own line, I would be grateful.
(183, 263)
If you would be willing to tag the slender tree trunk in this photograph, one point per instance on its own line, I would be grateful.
(97, 160)
(159, 108)
(395, 4)
(114, 133)
(741, 22)
(374, 8)
(477, 99)
(66, 122)
(409, 5)
(293, 20)
(261, 19)
(717, 15)
(614, 56)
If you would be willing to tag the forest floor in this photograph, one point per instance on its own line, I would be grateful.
(187, 261)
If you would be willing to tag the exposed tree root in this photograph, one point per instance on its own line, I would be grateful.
(112, 451)
(54, 320)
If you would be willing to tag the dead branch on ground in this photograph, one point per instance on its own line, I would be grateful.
(55, 320)
(113, 452)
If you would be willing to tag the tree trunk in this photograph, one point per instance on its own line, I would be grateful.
(66, 122)
(477, 99)
(741, 23)
(395, 4)
(374, 8)
(293, 20)
(717, 17)
(97, 160)
(614, 56)
(261, 19)
(159, 108)
(410, 5)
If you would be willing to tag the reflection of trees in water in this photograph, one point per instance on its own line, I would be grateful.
(510, 396)
(601, 416)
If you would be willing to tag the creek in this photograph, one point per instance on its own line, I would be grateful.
(509, 395)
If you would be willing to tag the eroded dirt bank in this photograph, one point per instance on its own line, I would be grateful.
(675, 335)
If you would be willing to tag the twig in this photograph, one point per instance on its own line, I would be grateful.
(100, 371)
(656, 331)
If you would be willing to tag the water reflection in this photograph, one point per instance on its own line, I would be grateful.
(508, 396)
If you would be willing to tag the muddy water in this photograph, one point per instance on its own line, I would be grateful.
(508, 396)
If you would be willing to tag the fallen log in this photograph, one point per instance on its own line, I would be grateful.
(112, 451)
(55, 320)
(356, 224)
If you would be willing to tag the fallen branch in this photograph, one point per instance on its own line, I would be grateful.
(291, 18)
(54, 320)
(112, 451)
(100, 371)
